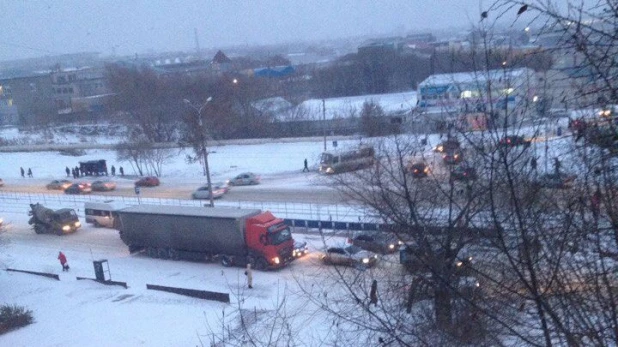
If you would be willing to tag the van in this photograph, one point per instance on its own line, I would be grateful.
(102, 214)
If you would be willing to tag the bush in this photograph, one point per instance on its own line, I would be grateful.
(13, 317)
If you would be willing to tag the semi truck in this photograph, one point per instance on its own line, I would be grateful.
(47, 221)
(236, 237)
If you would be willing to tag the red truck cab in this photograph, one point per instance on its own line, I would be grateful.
(269, 241)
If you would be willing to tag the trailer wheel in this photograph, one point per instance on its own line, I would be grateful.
(152, 252)
(261, 264)
(173, 254)
(163, 253)
(226, 261)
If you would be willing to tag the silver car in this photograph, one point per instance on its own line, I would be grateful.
(244, 179)
(203, 193)
(349, 256)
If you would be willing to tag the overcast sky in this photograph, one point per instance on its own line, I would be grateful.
(45, 27)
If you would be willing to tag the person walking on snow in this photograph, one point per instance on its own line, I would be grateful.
(63, 261)
(30, 172)
(306, 168)
(67, 171)
(23, 173)
(113, 170)
(121, 171)
(249, 274)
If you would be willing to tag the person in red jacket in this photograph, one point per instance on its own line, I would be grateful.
(63, 261)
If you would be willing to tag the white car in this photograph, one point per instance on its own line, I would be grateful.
(203, 193)
(244, 179)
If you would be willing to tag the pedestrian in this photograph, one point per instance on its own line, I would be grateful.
(121, 171)
(533, 163)
(76, 171)
(249, 274)
(595, 204)
(23, 173)
(113, 171)
(373, 294)
(306, 168)
(63, 261)
(557, 165)
(67, 171)
(30, 172)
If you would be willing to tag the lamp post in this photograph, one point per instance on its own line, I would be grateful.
(203, 150)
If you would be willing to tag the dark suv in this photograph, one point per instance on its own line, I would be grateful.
(377, 242)
(514, 140)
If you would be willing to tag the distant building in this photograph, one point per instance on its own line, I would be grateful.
(79, 90)
(455, 95)
(25, 98)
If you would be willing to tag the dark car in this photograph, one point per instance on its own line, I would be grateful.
(419, 170)
(103, 186)
(513, 141)
(463, 173)
(1, 182)
(448, 146)
(78, 188)
(453, 157)
(59, 184)
(377, 242)
(555, 181)
(148, 181)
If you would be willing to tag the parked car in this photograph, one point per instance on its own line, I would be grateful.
(463, 173)
(148, 181)
(514, 140)
(203, 192)
(1, 182)
(419, 170)
(452, 157)
(59, 184)
(377, 242)
(555, 181)
(349, 256)
(103, 186)
(244, 179)
(78, 188)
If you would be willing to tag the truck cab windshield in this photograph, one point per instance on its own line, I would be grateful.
(278, 234)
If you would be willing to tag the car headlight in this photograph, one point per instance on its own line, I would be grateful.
(66, 228)
(365, 260)
(78, 224)
(459, 263)
(391, 246)
(329, 170)
(275, 260)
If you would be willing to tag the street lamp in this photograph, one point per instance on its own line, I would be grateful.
(203, 151)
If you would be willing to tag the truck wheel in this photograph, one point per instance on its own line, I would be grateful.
(226, 261)
(96, 224)
(163, 253)
(59, 232)
(173, 254)
(38, 229)
(261, 264)
(152, 252)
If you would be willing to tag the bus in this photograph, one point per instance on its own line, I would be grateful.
(341, 161)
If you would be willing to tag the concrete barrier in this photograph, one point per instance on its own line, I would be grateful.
(48, 275)
(201, 294)
(109, 283)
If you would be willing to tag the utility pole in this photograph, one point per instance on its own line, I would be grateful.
(324, 121)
